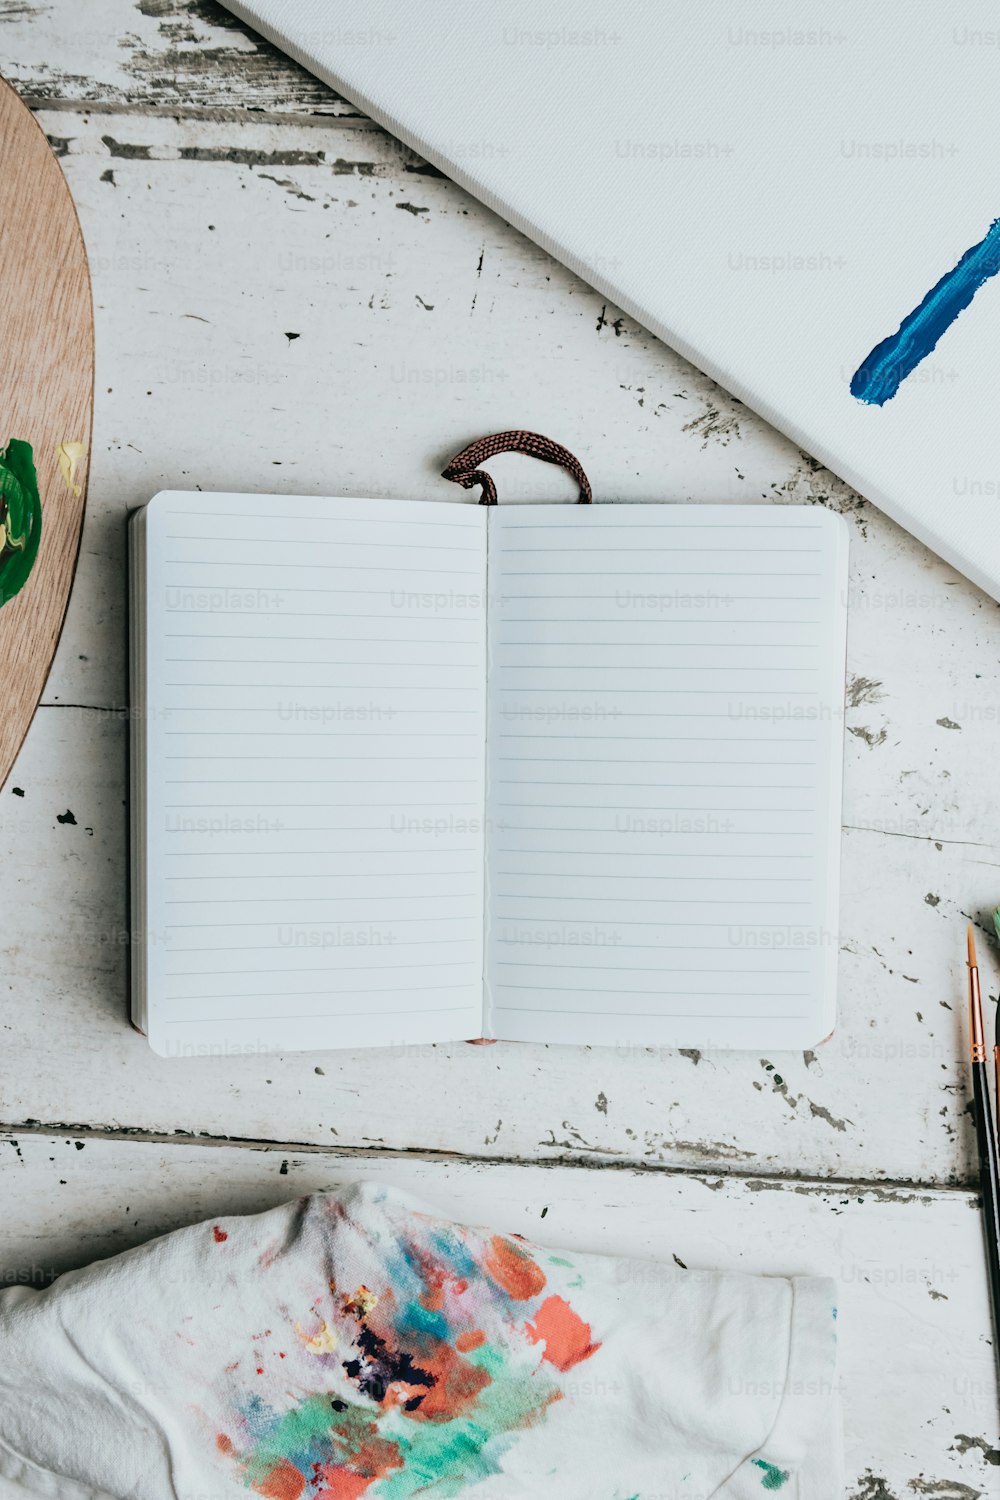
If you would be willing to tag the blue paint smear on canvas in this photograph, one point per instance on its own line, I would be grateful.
(878, 379)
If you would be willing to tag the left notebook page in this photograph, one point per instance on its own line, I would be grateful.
(310, 681)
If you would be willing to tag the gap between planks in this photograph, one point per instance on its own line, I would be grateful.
(212, 114)
(881, 1190)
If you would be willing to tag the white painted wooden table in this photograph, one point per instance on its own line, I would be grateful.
(287, 299)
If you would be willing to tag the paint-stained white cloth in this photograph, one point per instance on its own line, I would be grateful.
(353, 1346)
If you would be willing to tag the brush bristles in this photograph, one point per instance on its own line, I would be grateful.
(972, 947)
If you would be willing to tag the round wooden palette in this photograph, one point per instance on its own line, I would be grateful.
(47, 339)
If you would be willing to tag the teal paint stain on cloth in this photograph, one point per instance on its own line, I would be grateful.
(774, 1477)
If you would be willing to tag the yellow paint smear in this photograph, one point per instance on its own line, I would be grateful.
(322, 1342)
(70, 456)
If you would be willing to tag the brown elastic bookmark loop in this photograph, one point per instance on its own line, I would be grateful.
(464, 468)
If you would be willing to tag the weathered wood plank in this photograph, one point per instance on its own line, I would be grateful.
(917, 1367)
(426, 328)
(160, 54)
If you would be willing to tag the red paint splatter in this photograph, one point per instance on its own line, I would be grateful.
(566, 1336)
(223, 1443)
(284, 1482)
(260, 1370)
(513, 1269)
(219, 1235)
(466, 1342)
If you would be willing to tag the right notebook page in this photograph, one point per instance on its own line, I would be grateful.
(665, 708)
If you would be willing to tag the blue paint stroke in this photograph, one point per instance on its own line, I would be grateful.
(878, 379)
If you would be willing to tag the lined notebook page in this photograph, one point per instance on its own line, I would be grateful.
(316, 712)
(664, 751)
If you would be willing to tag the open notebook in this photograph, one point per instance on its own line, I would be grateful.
(407, 772)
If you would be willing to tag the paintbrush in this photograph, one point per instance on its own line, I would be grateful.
(986, 1145)
(996, 1035)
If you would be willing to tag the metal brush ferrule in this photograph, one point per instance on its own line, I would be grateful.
(976, 1015)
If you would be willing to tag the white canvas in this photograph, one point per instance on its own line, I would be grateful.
(772, 193)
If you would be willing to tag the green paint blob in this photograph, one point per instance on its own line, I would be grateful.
(20, 518)
(774, 1477)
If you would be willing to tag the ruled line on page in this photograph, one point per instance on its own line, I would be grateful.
(459, 963)
(285, 588)
(342, 781)
(320, 994)
(739, 786)
(365, 521)
(341, 759)
(665, 900)
(602, 550)
(649, 853)
(660, 739)
(196, 562)
(687, 991)
(636, 573)
(646, 1015)
(273, 853)
(375, 640)
(291, 541)
(704, 646)
(617, 692)
(256, 923)
(605, 598)
(592, 948)
(305, 806)
(632, 760)
(240, 708)
(631, 807)
(322, 734)
(591, 968)
(280, 947)
(350, 874)
(297, 661)
(592, 620)
(242, 901)
(565, 666)
(796, 880)
(688, 833)
(667, 524)
(309, 687)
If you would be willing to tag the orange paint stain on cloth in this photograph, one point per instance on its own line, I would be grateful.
(341, 1484)
(284, 1482)
(375, 1459)
(566, 1336)
(513, 1269)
